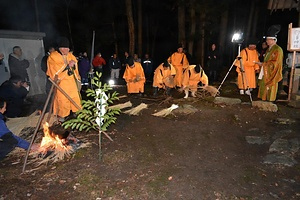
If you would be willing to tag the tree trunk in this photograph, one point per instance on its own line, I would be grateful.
(69, 24)
(193, 27)
(37, 16)
(223, 30)
(223, 34)
(202, 35)
(140, 28)
(255, 19)
(154, 33)
(250, 20)
(147, 35)
(115, 37)
(130, 26)
(181, 22)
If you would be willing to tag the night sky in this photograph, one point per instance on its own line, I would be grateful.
(88, 15)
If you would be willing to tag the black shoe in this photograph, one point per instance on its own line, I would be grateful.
(168, 91)
(155, 91)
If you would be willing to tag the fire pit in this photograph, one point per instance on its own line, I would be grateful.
(56, 144)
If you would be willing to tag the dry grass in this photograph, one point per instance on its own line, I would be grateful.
(166, 111)
(136, 110)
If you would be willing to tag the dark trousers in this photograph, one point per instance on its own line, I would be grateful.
(213, 76)
(7, 144)
(98, 69)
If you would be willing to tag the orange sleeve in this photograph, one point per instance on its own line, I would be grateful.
(185, 78)
(185, 62)
(140, 71)
(237, 61)
(76, 72)
(56, 65)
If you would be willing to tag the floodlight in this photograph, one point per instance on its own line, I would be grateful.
(237, 37)
(111, 82)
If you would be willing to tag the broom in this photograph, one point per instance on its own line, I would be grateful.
(121, 105)
(165, 111)
(136, 110)
(211, 90)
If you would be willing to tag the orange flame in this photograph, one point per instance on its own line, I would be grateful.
(50, 142)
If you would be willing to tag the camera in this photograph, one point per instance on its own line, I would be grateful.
(28, 83)
(70, 70)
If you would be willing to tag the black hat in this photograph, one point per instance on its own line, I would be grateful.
(252, 40)
(63, 42)
(179, 46)
(166, 64)
(130, 61)
(273, 31)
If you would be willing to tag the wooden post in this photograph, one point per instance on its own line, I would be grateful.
(292, 76)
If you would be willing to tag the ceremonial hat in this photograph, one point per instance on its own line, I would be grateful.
(166, 64)
(273, 31)
(179, 46)
(63, 42)
(252, 40)
(130, 61)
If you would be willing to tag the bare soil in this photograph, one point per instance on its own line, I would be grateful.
(201, 155)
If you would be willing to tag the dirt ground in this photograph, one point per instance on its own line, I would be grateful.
(201, 155)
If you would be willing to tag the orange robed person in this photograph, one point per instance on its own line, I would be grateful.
(134, 77)
(163, 78)
(249, 58)
(191, 77)
(180, 62)
(64, 64)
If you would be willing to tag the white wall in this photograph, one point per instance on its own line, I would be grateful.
(33, 51)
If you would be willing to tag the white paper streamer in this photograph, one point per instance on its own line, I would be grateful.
(101, 107)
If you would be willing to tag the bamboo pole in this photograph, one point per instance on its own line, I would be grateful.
(66, 95)
(38, 126)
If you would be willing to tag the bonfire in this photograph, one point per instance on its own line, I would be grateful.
(55, 146)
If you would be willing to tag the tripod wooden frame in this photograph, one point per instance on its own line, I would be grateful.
(52, 94)
(244, 77)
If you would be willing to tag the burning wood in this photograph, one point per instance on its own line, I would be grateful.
(55, 146)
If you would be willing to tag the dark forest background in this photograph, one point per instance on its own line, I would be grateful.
(147, 26)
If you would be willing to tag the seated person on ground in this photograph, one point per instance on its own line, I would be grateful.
(8, 141)
(163, 78)
(14, 91)
(191, 77)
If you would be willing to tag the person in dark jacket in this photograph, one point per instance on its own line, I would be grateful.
(262, 53)
(17, 65)
(114, 64)
(44, 67)
(84, 67)
(147, 64)
(213, 63)
(8, 141)
(14, 91)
